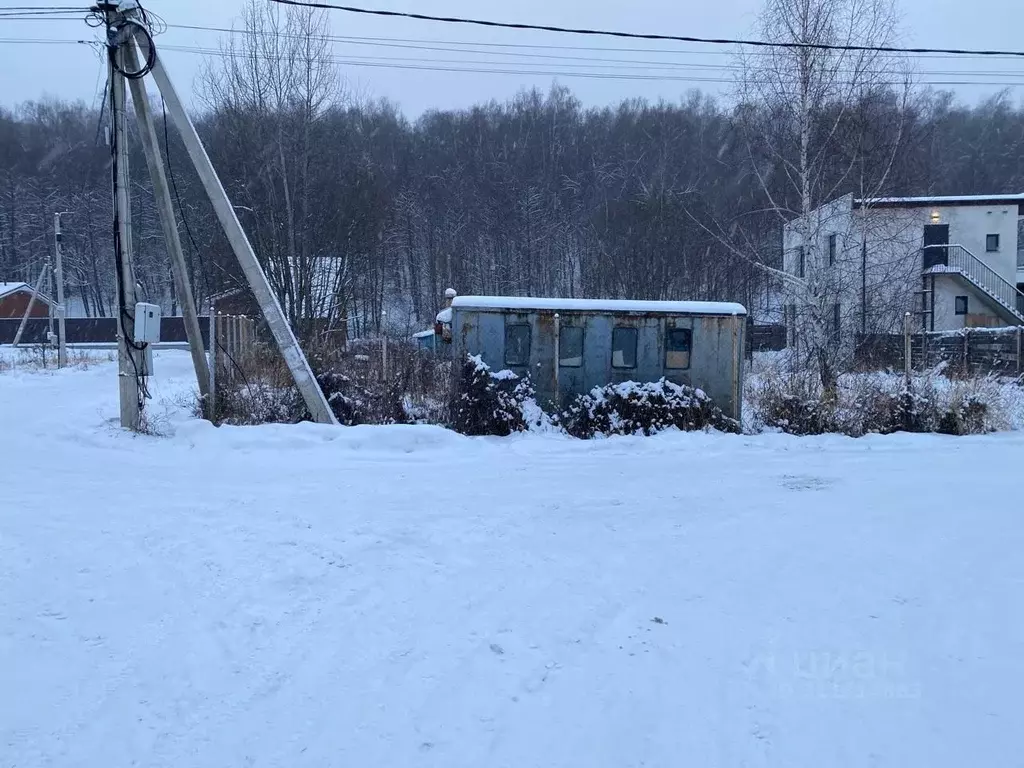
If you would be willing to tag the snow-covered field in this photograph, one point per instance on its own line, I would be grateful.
(307, 596)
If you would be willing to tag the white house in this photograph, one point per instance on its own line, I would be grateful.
(953, 262)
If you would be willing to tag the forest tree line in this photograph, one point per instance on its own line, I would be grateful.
(358, 213)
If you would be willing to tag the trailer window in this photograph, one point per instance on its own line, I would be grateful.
(677, 347)
(570, 346)
(517, 344)
(624, 348)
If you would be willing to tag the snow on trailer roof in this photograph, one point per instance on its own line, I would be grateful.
(527, 303)
(423, 334)
(910, 202)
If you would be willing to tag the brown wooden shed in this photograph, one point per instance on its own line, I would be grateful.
(15, 298)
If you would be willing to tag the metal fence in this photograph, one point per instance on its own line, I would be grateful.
(765, 338)
(94, 330)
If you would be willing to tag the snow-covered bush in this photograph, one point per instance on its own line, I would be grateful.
(631, 408)
(355, 403)
(487, 402)
(790, 402)
(877, 403)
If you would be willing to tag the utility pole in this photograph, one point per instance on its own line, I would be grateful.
(162, 195)
(62, 349)
(130, 357)
(51, 337)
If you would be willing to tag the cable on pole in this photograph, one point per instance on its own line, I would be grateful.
(642, 35)
(121, 33)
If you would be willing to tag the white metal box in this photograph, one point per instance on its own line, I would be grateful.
(147, 323)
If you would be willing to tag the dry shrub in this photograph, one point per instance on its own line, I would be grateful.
(878, 404)
(790, 402)
(413, 389)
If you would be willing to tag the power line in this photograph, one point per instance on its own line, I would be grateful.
(355, 40)
(607, 69)
(643, 36)
(475, 68)
(38, 17)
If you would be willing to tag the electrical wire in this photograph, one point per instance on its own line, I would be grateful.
(643, 36)
(39, 17)
(121, 31)
(614, 69)
(42, 8)
(593, 63)
(196, 248)
(387, 41)
(502, 68)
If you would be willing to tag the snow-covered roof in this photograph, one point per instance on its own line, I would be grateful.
(6, 288)
(528, 303)
(423, 334)
(911, 202)
(444, 316)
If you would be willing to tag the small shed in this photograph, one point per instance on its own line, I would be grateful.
(570, 346)
(15, 298)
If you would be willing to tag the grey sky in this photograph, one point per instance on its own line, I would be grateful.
(28, 71)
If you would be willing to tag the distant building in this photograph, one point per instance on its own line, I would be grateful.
(953, 262)
(15, 298)
(569, 346)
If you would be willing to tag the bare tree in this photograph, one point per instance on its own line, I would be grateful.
(270, 90)
(806, 146)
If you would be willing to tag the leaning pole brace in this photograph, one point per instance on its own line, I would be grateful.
(31, 304)
(297, 363)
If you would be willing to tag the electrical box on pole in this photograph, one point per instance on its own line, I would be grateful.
(147, 323)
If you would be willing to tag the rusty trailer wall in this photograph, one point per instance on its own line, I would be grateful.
(595, 348)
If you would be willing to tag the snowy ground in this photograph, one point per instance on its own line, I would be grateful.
(306, 596)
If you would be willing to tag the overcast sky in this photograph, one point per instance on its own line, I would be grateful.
(32, 70)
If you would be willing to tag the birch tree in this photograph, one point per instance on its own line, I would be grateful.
(804, 146)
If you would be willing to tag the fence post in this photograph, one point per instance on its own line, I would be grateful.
(967, 352)
(212, 405)
(1019, 330)
(907, 349)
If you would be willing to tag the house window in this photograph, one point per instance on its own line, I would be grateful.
(801, 263)
(677, 347)
(991, 243)
(960, 305)
(836, 321)
(517, 344)
(570, 346)
(624, 348)
(832, 244)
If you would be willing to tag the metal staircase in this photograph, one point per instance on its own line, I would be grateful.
(955, 259)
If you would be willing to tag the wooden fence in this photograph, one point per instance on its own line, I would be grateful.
(232, 347)
(969, 351)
